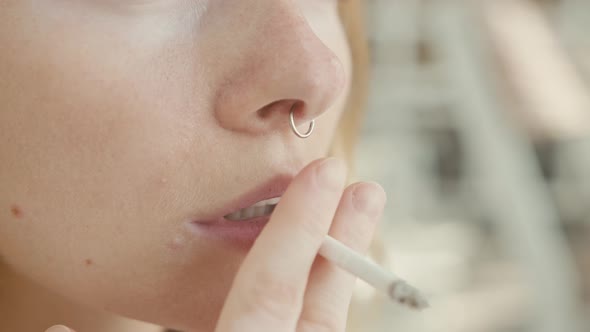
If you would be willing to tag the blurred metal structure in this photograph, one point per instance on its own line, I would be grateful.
(454, 136)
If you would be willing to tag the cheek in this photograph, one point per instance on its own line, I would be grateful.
(97, 132)
(84, 166)
(87, 156)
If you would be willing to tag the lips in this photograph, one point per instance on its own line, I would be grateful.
(274, 187)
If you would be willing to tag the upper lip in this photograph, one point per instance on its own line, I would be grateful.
(274, 187)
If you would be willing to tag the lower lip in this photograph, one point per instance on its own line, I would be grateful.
(241, 234)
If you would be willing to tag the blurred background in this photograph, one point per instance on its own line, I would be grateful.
(478, 128)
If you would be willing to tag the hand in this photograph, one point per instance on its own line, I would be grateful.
(282, 285)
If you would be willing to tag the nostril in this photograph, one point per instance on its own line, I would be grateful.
(279, 108)
(300, 112)
(285, 113)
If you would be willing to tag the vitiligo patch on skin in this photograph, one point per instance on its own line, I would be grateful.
(16, 211)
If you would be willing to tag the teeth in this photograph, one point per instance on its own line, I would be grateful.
(269, 208)
(248, 213)
(259, 209)
(233, 216)
(271, 201)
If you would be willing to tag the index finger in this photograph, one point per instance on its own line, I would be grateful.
(267, 293)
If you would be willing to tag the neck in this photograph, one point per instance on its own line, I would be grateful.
(26, 306)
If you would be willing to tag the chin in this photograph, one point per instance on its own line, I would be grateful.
(194, 311)
(192, 318)
(188, 301)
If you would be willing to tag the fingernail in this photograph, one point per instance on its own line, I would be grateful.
(58, 328)
(368, 198)
(331, 173)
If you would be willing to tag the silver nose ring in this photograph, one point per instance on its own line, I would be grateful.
(309, 131)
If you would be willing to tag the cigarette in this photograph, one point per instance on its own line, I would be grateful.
(349, 260)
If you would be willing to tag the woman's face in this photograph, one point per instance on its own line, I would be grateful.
(121, 121)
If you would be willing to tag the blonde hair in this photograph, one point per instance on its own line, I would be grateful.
(352, 13)
(348, 130)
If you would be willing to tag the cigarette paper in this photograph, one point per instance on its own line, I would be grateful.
(349, 260)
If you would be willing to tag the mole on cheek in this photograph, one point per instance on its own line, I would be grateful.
(16, 211)
(88, 262)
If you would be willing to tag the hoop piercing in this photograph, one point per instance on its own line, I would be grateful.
(309, 131)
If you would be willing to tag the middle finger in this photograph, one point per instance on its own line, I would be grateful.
(330, 288)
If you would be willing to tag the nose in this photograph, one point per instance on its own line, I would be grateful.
(276, 64)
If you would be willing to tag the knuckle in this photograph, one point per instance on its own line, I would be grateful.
(270, 296)
(313, 228)
(357, 236)
(321, 323)
(317, 220)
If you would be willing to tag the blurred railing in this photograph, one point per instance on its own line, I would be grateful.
(478, 129)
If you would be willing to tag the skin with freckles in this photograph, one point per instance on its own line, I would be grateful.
(122, 121)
